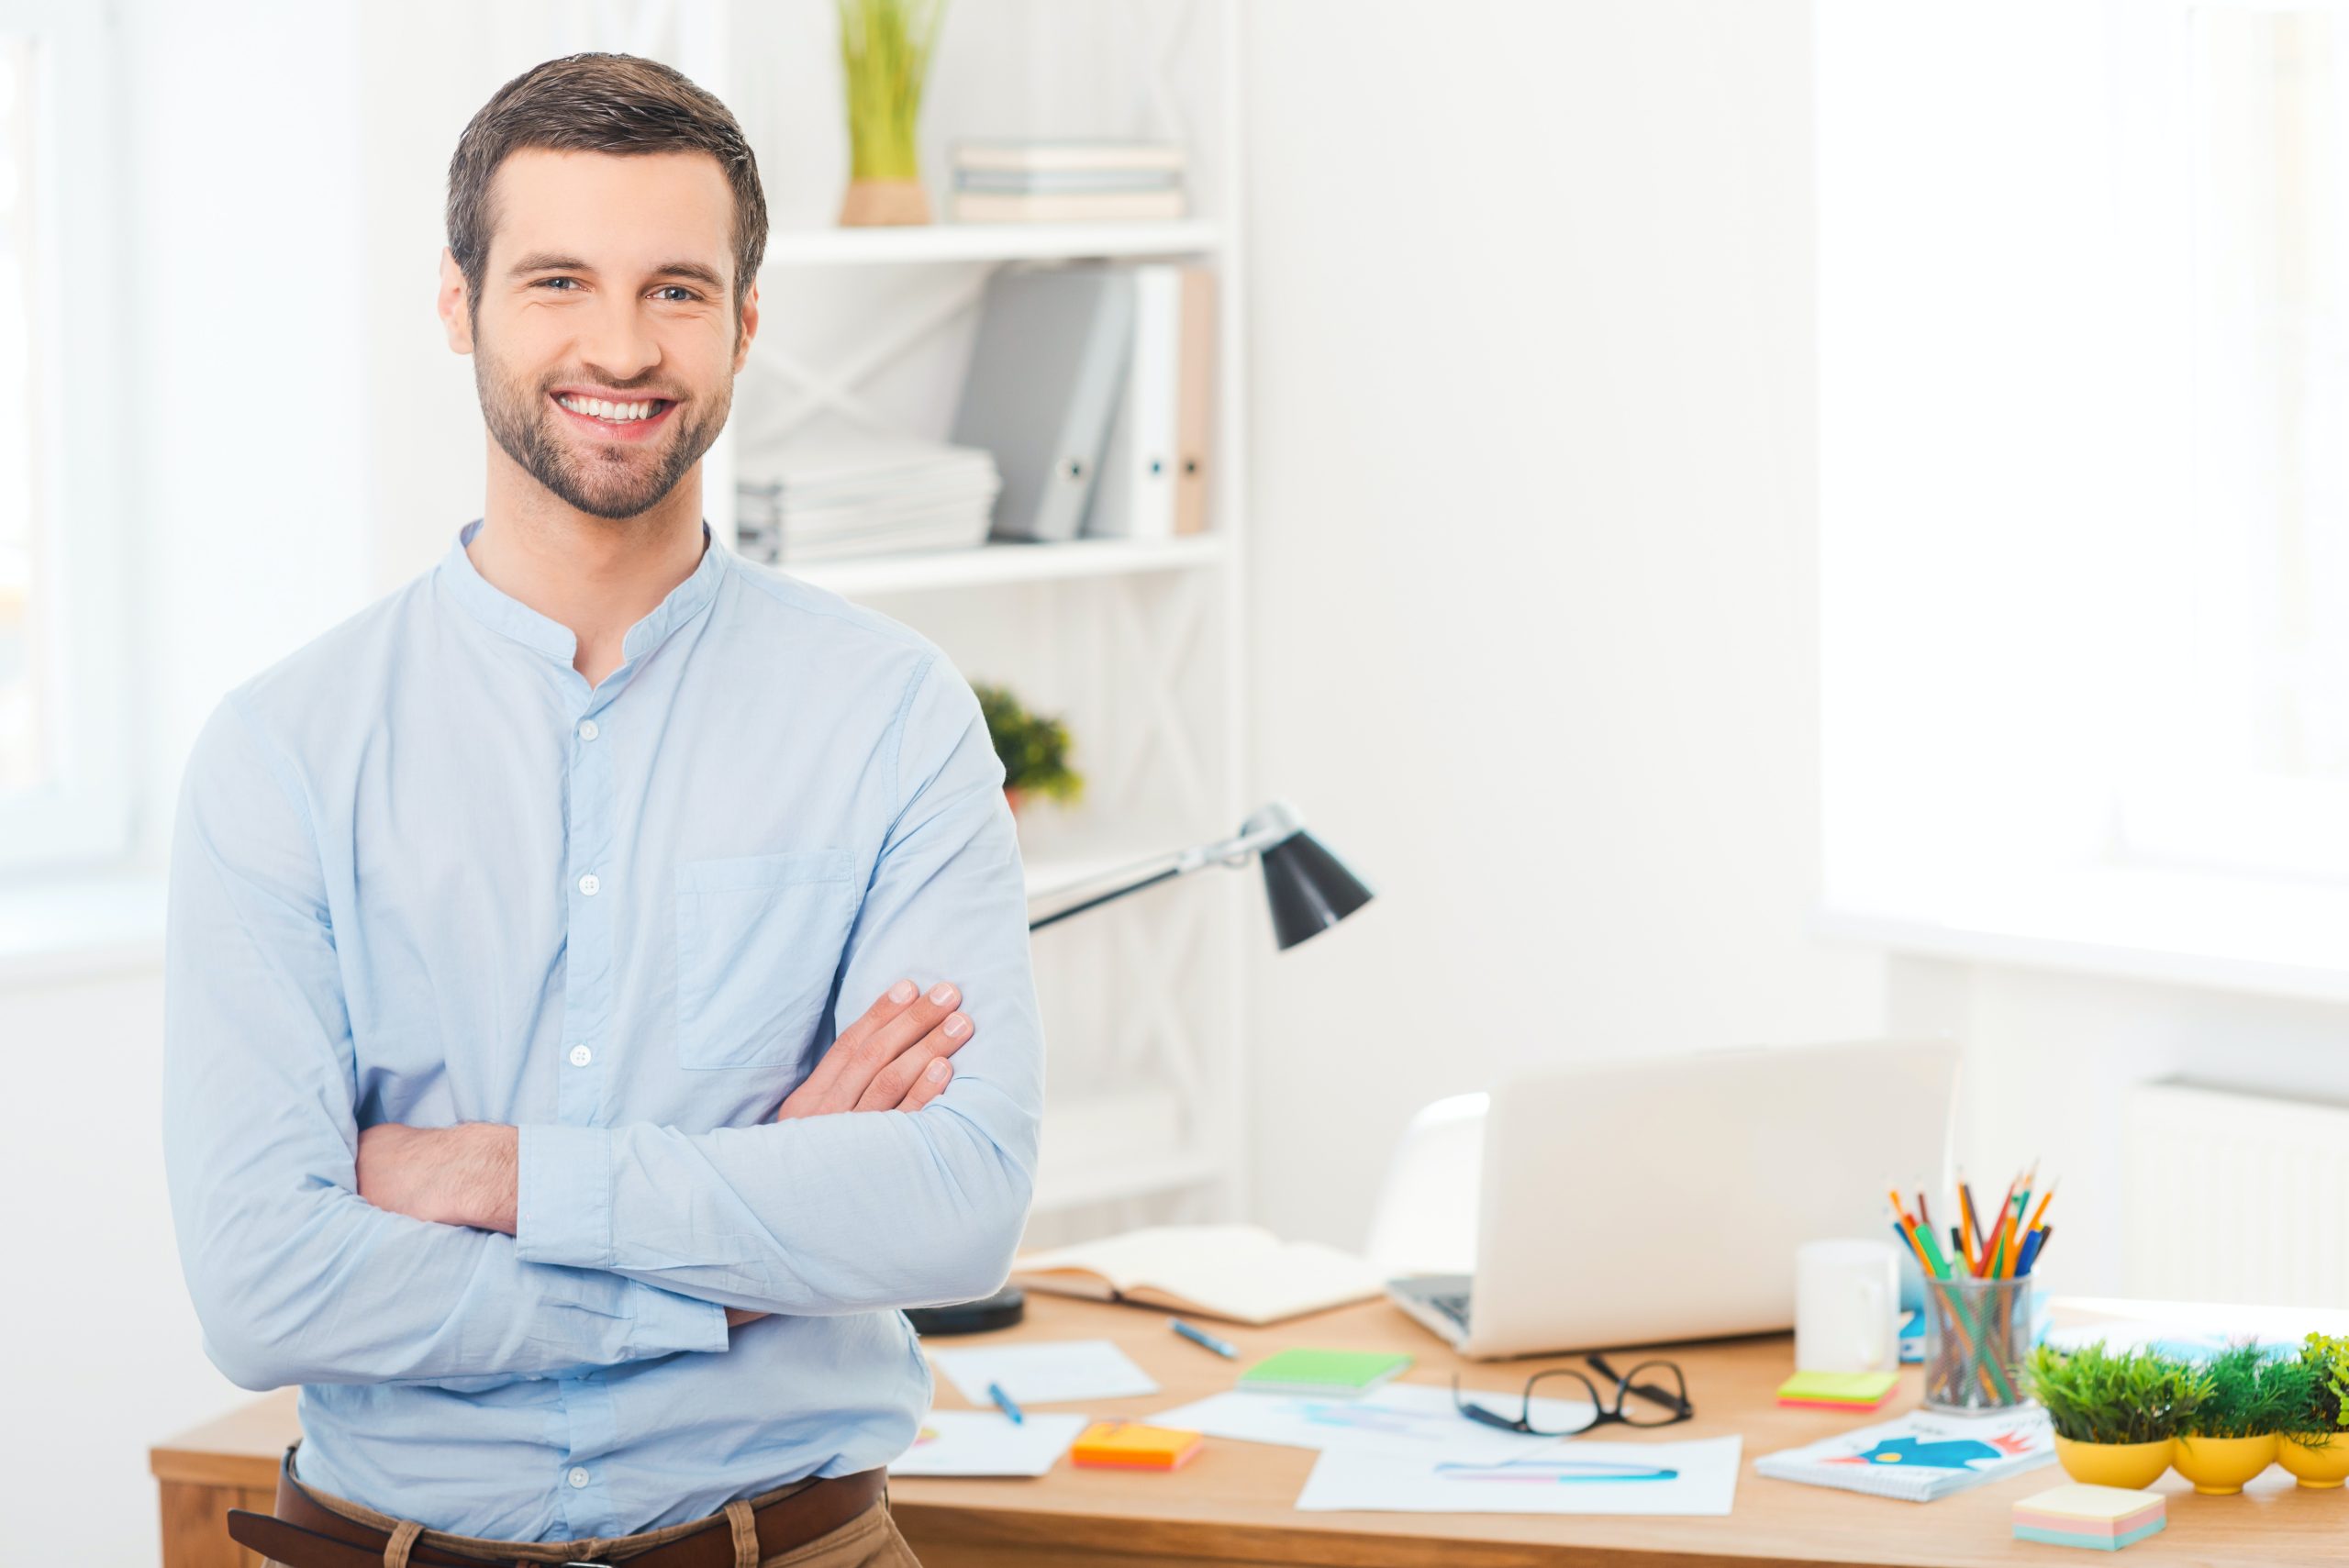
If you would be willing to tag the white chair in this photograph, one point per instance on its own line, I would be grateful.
(1425, 1221)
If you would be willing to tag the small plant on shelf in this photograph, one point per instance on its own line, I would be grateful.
(1034, 749)
(885, 48)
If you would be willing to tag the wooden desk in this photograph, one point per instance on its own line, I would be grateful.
(1232, 1504)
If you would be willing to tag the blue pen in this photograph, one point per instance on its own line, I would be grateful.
(1202, 1338)
(996, 1393)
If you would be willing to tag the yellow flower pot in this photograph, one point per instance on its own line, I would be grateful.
(2218, 1466)
(2319, 1459)
(2130, 1467)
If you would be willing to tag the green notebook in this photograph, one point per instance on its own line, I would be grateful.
(1331, 1374)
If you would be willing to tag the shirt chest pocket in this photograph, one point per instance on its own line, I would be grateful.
(759, 938)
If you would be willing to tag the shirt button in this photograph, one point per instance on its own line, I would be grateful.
(581, 1056)
(588, 885)
(577, 1477)
(588, 730)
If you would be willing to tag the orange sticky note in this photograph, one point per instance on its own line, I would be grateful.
(1129, 1445)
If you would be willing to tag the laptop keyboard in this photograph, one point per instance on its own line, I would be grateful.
(1453, 1304)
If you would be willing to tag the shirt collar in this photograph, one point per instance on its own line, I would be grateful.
(510, 617)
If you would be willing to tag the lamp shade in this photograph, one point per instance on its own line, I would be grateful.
(1311, 889)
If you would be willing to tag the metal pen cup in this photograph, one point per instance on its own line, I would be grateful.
(1977, 1332)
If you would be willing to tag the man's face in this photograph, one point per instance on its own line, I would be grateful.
(609, 280)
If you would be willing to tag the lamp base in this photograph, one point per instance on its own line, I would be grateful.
(1000, 1310)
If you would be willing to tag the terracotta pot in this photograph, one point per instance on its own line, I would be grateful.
(2320, 1459)
(2133, 1467)
(2218, 1466)
(1015, 798)
(872, 204)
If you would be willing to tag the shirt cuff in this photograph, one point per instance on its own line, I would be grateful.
(666, 1321)
(563, 1211)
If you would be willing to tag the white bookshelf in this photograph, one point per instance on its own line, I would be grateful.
(1138, 643)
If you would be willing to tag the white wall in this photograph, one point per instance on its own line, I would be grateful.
(1532, 511)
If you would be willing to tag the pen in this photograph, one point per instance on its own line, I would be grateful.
(996, 1393)
(1202, 1338)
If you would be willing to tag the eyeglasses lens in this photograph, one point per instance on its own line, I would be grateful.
(1654, 1394)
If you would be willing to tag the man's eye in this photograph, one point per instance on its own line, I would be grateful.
(679, 288)
(550, 282)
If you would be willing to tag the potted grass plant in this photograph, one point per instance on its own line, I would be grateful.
(885, 48)
(2116, 1414)
(2315, 1446)
(1033, 747)
(2231, 1434)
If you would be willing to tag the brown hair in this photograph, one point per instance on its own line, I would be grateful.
(599, 103)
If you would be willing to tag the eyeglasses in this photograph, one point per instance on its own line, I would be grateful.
(1652, 1393)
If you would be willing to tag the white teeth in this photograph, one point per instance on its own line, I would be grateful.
(615, 413)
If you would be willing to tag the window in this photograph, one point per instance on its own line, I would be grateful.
(63, 718)
(2083, 479)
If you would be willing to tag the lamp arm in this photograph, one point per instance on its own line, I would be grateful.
(1259, 833)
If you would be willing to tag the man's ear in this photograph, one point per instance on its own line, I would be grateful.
(749, 328)
(454, 317)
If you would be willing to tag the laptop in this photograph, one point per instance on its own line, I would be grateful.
(1643, 1203)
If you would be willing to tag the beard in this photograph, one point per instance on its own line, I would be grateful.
(604, 479)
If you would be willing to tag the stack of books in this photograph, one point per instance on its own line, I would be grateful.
(1066, 182)
(863, 494)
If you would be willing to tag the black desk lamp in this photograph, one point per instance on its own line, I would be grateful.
(1311, 891)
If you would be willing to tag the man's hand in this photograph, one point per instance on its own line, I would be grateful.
(892, 1059)
(451, 1175)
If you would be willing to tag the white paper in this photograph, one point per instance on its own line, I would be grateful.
(1578, 1477)
(1409, 1420)
(988, 1443)
(1046, 1373)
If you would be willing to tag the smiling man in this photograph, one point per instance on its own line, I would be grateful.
(524, 1103)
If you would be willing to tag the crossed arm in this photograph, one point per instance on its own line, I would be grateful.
(898, 1057)
(613, 1244)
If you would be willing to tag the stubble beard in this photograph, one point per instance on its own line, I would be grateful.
(612, 480)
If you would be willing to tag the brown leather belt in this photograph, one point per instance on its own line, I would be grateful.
(304, 1533)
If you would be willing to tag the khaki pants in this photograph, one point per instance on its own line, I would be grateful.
(869, 1540)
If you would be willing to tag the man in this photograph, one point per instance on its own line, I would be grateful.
(511, 922)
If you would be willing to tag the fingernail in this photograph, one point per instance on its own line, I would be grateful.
(956, 1026)
(936, 1071)
(942, 993)
(903, 991)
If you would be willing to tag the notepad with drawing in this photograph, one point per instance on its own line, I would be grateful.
(1242, 1273)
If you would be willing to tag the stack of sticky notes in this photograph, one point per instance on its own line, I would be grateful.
(2102, 1518)
(1129, 1445)
(1839, 1390)
(1325, 1375)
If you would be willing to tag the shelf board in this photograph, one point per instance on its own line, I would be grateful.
(914, 243)
(996, 564)
(1069, 1186)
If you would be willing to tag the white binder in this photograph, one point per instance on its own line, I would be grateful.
(1135, 496)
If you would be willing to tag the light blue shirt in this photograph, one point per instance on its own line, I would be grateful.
(423, 873)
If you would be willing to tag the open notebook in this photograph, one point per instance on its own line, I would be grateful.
(1237, 1272)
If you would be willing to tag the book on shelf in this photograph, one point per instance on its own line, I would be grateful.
(1042, 378)
(1243, 1273)
(1153, 465)
(1049, 181)
(1102, 206)
(1063, 155)
(859, 493)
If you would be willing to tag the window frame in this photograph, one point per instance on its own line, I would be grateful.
(84, 818)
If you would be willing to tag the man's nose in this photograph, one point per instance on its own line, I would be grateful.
(618, 344)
